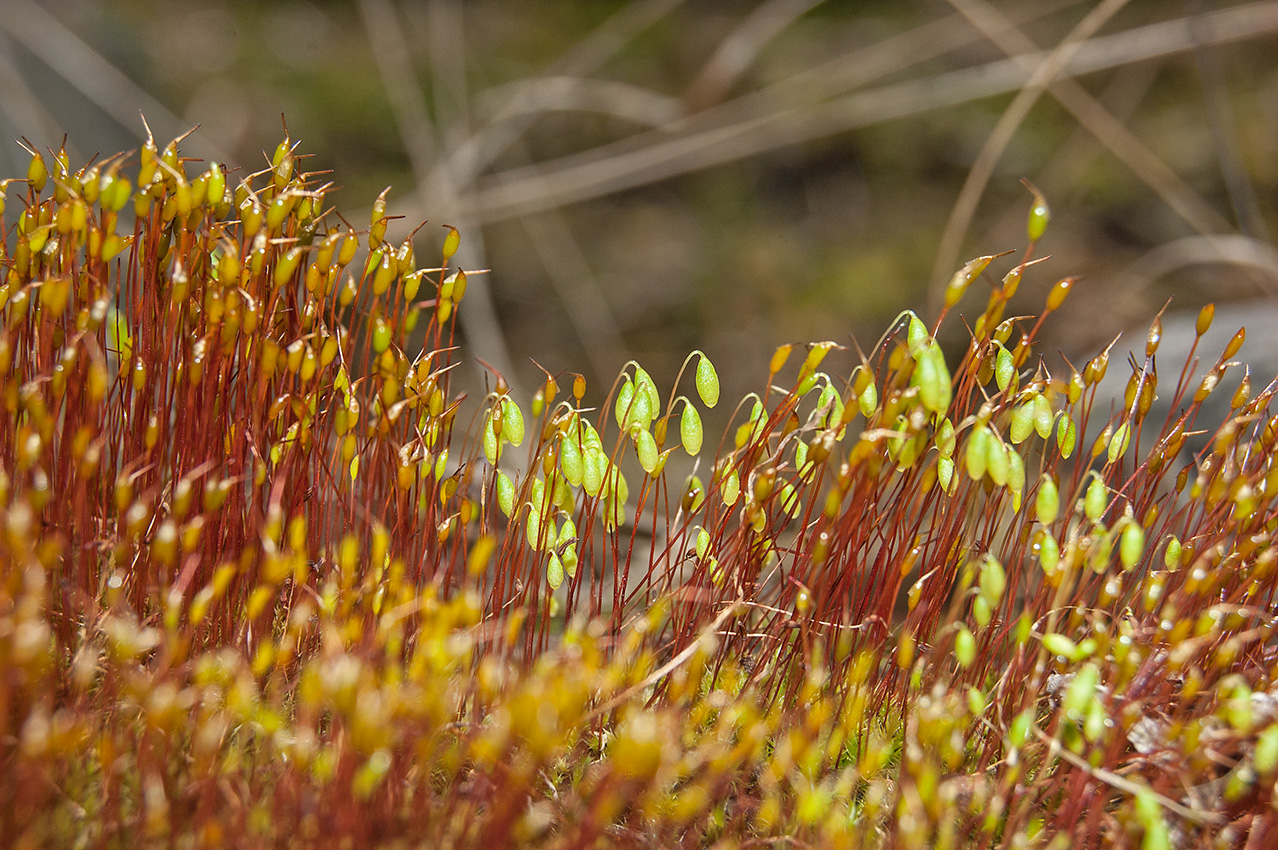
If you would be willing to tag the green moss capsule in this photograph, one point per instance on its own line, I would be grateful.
(1022, 424)
(1131, 545)
(964, 647)
(1049, 554)
(690, 430)
(1118, 442)
(996, 461)
(707, 382)
(730, 490)
(1096, 499)
(37, 172)
(932, 377)
(646, 450)
(570, 461)
(1066, 435)
(1047, 502)
(945, 473)
(512, 421)
(977, 454)
(505, 493)
(1043, 416)
(1004, 369)
(1060, 645)
(1039, 215)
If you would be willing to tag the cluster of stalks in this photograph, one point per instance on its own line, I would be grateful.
(268, 578)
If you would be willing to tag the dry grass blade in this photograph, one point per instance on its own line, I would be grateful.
(828, 79)
(1178, 195)
(1242, 195)
(600, 172)
(101, 82)
(439, 189)
(738, 51)
(1221, 249)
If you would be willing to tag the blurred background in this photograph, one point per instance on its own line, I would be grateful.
(644, 177)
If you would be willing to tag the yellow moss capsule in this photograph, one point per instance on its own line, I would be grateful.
(215, 186)
(963, 278)
(412, 283)
(384, 273)
(1234, 344)
(452, 241)
(182, 200)
(1205, 317)
(278, 210)
(1040, 214)
(37, 172)
(1059, 293)
(286, 265)
(1243, 392)
(116, 190)
(381, 335)
(350, 244)
(251, 217)
(328, 351)
(310, 364)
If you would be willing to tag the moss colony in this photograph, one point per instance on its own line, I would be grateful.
(270, 579)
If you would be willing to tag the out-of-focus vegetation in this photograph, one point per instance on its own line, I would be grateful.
(652, 175)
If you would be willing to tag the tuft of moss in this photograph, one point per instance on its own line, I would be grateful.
(268, 578)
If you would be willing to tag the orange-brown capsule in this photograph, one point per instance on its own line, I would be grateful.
(1243, 392)
(284, 168)
(1012, 281)
(1154, 337)
(1234, 344)
(963, 278)
(779, 357)
(1205, 317)
(350, 244)
(379, 207)
(170, 156)
(497, 420)
(1023, 350)
(1060, 292)
(1146, 401)
(1129, 394)
(1209, 382)
(763, 485)
(1095, 370)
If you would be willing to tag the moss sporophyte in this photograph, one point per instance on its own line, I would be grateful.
(268, 577)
